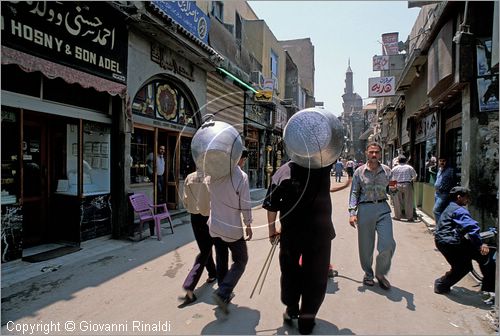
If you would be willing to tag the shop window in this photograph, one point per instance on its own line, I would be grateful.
(187, 165)
(10, 159)
(165, 101)
(141, 146)
(16, 80)
(96, 158)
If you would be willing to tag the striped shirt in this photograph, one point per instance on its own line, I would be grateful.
(368, 186)
(403, 173)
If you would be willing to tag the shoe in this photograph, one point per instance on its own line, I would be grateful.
(439, 289)
(306, 325)
(221, 302)
(332, 273)
(383, 282)
(289, 315)
(186, 300)
(368, 282)
(211, 280)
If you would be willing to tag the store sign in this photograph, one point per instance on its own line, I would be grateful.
(82, 35)
(390, 43)
(381, 86)
(381, 63)
(188, 15)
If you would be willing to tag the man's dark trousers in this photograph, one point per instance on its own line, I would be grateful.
(228, 279)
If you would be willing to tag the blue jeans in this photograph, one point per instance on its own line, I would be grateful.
(441, 201)
(228, 279)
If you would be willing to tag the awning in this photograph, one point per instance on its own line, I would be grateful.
(30, 63)
(366, 134)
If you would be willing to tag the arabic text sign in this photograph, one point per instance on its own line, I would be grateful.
(381, 63)
(381, 86)
(188, 15)
(390, 43)
(83, 35)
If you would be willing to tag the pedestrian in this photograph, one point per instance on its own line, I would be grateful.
(350, 168)
(339, 170)
(243, 158)
(457, 238)
(404, 175)
(197, 202)
(230, 199)
(445, 180)
(157, 169)
(430, 168)
(371, 214)
(302, 198)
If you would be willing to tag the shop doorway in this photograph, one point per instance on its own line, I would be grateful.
(35, 180)
(43, 163)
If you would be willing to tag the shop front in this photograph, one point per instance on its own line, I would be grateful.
(257, 120)
(164, 116)
(61, 88)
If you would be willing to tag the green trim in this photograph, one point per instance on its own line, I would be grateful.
(239, 81)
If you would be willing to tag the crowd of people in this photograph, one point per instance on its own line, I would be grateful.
(221, 216)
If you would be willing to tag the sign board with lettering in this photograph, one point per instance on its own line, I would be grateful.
(381, 63)
(188, 15)
(83, 35)
(390, 43)
(381, 86)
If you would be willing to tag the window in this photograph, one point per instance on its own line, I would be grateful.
(237, 29)
(218, 10)
(274, 64)
(141, 146)
(96, 158)
(161, 99)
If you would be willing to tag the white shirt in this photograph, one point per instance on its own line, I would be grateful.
(160, 164)
(229, 199)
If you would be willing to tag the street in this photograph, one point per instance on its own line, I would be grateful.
(135, 290)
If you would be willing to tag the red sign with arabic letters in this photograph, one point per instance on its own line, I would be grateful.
(381, 86)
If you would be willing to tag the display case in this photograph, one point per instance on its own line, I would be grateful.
(140, 148)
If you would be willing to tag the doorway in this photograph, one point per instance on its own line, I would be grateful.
(44, 153)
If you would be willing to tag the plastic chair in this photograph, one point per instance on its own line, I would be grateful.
(149, 212)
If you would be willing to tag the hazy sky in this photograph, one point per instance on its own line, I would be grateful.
(339, 31)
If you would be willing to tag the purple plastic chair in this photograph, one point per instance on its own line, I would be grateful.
(149, 212)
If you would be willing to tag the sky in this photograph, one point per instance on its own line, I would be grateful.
(340, 31)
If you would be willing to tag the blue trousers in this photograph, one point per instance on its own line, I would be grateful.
(204, 259)
(228, 279)
(375, 218)
(441, 201)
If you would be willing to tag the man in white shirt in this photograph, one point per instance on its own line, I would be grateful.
(197, 202)
(404, 175)
(229, 200)
(160, 170)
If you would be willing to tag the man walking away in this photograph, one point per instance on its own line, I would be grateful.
(230, 199)
(339, 170)
(197, 202)
(404, 175)
(302, 197)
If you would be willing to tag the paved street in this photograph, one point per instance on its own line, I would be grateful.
(136, 286)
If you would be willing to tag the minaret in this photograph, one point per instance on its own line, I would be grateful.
(349, 87)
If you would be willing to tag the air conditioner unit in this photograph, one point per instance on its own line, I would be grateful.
(257, 78)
